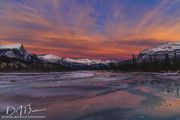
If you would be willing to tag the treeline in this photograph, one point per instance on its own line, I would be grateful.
(17, 65)
(12, 64)
(152, 64)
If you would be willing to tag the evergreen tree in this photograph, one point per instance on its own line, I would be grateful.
(167, 62)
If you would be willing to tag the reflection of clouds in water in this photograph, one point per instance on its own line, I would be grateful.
(80, 93)
(158, 104)
(152, 100)
(169, 107)
(109, 114)
(118, 99)
(144, 89)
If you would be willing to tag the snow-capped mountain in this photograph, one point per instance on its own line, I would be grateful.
(16, 51)
(170, 48)
(49, 58)
(86, 61)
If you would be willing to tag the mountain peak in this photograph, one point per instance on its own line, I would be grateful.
(12, 46)
(167, 46)
(50, 58)
(161, 50)
(87, 61)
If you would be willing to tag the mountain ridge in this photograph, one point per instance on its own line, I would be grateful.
(159, 51)
(19, 52)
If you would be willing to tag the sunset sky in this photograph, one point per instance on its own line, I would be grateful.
(106, 29)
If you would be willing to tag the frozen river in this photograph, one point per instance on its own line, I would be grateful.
(92, 95)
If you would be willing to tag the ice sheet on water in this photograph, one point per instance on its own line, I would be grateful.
(44, 76)
(74, 83)
(62, 83)
(4, 105)
(87, 89)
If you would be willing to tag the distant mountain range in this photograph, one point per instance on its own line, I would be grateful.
(171, 49)
(16, 57)
(17, 51)
(161, 58)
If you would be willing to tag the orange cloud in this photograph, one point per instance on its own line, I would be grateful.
(46, 26)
